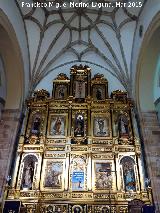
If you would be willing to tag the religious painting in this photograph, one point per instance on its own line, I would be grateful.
(78, 173)
(53, 174)
(61, 92)
(99, 92)
(128, 173)
(103, 175)
(79, 125)
(57, 125)
(101, 126)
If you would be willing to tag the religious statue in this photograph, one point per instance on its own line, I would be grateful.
(61, 92)
(128, 173)
(79, 126)
(28, 176)
(35, 130)
(123, 125)
(99, 94)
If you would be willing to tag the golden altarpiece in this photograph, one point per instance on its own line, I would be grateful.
(79, 151)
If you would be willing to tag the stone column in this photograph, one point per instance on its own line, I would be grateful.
(151, 135)
(9, 126)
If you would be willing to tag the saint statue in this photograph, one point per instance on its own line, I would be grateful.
(79, 126)
(61, 93)
(35, 130)
(99, 94)
(123, 125)
(28, 176)
(128, 173)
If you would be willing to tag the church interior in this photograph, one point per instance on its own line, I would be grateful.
(79, 106)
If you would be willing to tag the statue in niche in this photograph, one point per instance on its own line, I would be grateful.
(61, 93)
(128, 174)
(28, 173)
(99, 94)
(123, 125)
(79, 126)
(35, 129)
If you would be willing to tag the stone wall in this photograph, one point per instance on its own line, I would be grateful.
(151, 132)
(9, 126)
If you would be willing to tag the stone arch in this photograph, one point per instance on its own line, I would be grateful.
(146, 66)
(13, 64)
(145, 79)
(10, 53)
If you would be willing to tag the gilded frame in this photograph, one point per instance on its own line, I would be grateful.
(101, 125)
(57, 125)
(55, 176)
(41, 113)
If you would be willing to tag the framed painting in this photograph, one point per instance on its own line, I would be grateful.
(53, 174)
(103, 175)
(101, 125)
(57, 125)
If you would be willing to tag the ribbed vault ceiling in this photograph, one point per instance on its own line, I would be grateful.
(54, 32)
